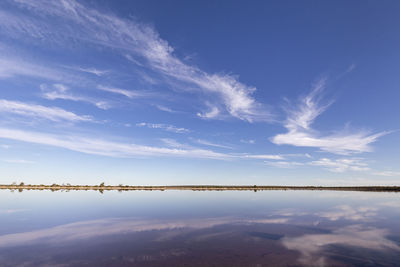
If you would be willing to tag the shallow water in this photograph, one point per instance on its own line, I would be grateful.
(206, 228)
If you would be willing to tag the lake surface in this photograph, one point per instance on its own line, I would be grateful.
(199, 228)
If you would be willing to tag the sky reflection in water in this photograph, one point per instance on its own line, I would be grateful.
(271, 228)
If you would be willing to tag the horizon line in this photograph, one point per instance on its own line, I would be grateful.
(102, 187)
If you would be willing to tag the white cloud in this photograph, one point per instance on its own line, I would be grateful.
(342, 165)
(280, 160)
(208, 143)
(100, 104)
(335, 165)
(300, 133)
(60, 91)
(96, 146)
(13, 64)
(40, 112)
(144, 45)
(164, 108)
(274, 157)
(313, 246)
(93, 71)
(10, 67)
(127, 93)
(132, 59)
(211, 114)
(284, 164)
(250, 141)
(173, 143)
(166, 127)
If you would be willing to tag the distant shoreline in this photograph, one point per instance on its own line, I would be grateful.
(102, 187)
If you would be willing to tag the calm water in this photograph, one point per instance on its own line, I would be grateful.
(185, 228)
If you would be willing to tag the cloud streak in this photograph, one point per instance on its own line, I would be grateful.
(94, 71)
(166, 127)
(274, 157)
(11, 67)
(41, 112)
(284, 164)
(208, 143)
(300, 133)
(106, 148)
(341, 165)
(96, 146)
(60, 91)
(127, 93)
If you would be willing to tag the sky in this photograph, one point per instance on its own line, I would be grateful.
(200, 92)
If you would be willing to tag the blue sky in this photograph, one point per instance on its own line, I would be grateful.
(183, 92)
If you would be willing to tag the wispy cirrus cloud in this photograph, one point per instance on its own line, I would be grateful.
(166, 109)
(173, 143)
(81, 24)
(97, 146)
(342, 164)
(94, 146)
(212, 113)
(124, 92)
(339, 165)
(166, 127)
(264, 156)
(10, 67)
(41, 112)
(19, 63)
(299, 131)
(281, 160)
(249, 141)
(284, 164)
(60, 91)
(208, 143)
(94, 71)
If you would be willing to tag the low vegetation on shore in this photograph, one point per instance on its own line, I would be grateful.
(102, 187)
